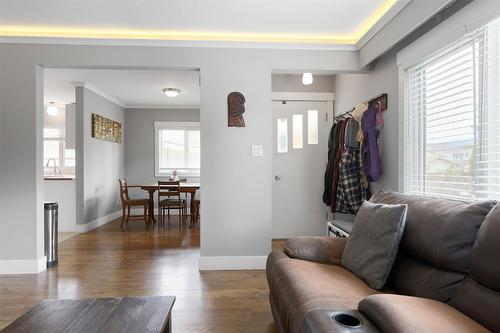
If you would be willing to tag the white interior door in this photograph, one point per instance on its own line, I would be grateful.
(300, 141)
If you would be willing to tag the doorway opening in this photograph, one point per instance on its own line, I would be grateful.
(106, 124)
(302, 116)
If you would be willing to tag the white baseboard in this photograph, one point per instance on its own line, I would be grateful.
(73, 229)
(23, 266)
(83, 228)
(232, 263)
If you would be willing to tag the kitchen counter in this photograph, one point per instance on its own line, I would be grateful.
(62, 189)
(59, 177)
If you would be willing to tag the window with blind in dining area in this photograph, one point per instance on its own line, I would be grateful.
(452, 120)
(177, 147)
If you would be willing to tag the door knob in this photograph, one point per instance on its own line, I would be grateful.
(277, 177)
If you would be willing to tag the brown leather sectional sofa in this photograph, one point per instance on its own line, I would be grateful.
(446, 277)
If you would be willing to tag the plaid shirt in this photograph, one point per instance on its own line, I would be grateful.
(350, 192)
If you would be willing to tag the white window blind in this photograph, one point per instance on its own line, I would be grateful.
(452, 120)
(177, 148)
(54, 149)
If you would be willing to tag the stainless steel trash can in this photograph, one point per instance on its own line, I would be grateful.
(51, 229)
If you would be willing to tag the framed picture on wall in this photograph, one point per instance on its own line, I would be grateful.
(106, 129)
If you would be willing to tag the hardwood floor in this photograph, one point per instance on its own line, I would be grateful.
(137, 262)
(62, 236)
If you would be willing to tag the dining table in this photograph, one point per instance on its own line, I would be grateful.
(185, 187)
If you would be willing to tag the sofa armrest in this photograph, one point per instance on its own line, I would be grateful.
(405, 314)
(325, 250)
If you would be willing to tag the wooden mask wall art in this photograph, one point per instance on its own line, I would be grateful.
(235, 109)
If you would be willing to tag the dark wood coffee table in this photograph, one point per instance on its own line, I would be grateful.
(119, 314)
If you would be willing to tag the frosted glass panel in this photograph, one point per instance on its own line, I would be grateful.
(312, 127)
(298, 131)
(282, 133)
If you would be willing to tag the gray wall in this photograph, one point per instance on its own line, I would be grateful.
(21, 159)
(140, 147)
(1, 140)
(231, 227)
(351, 89)
(97, 173)
(293, 83)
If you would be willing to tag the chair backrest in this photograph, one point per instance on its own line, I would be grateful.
(170, 189)
(123, 191)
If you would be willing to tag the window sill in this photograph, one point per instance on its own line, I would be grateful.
(163, 176)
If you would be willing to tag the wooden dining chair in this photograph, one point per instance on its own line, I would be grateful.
(169, 197)
(184, 196)
(127, 203)
(195, 214)
(196, 211)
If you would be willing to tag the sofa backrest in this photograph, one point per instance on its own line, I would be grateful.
(436, 249)
(479, 295)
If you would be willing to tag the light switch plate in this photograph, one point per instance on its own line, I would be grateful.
(257, 150)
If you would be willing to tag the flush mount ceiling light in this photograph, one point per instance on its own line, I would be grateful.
(52, 110)
(307, 79)
(171, 92)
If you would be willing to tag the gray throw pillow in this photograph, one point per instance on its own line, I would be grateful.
(372, 247)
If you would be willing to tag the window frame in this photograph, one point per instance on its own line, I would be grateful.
(158, 125)
(61, 140)
(414, 55)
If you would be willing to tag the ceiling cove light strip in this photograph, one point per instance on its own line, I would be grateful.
(123, 34)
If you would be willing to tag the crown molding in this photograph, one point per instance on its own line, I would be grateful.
(175, 43)
(382, 22)
(98, 92)
(162, 107)
(133, 106)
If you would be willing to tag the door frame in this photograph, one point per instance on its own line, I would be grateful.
(304, 96)
(328, 98)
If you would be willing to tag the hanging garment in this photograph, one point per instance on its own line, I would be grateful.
(333, 146)
(380, 119)
(338, 157)
(351, 133)
(357, 114)
(351, 192)
(369, 148)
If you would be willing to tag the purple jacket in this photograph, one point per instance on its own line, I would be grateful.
(369, 148)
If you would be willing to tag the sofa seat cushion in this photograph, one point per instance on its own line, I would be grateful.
(137, 202)
(407, 314)
(299, 286)
(171, 202)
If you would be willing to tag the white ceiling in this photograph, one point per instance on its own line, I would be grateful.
(128, 88)
(210, 18)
